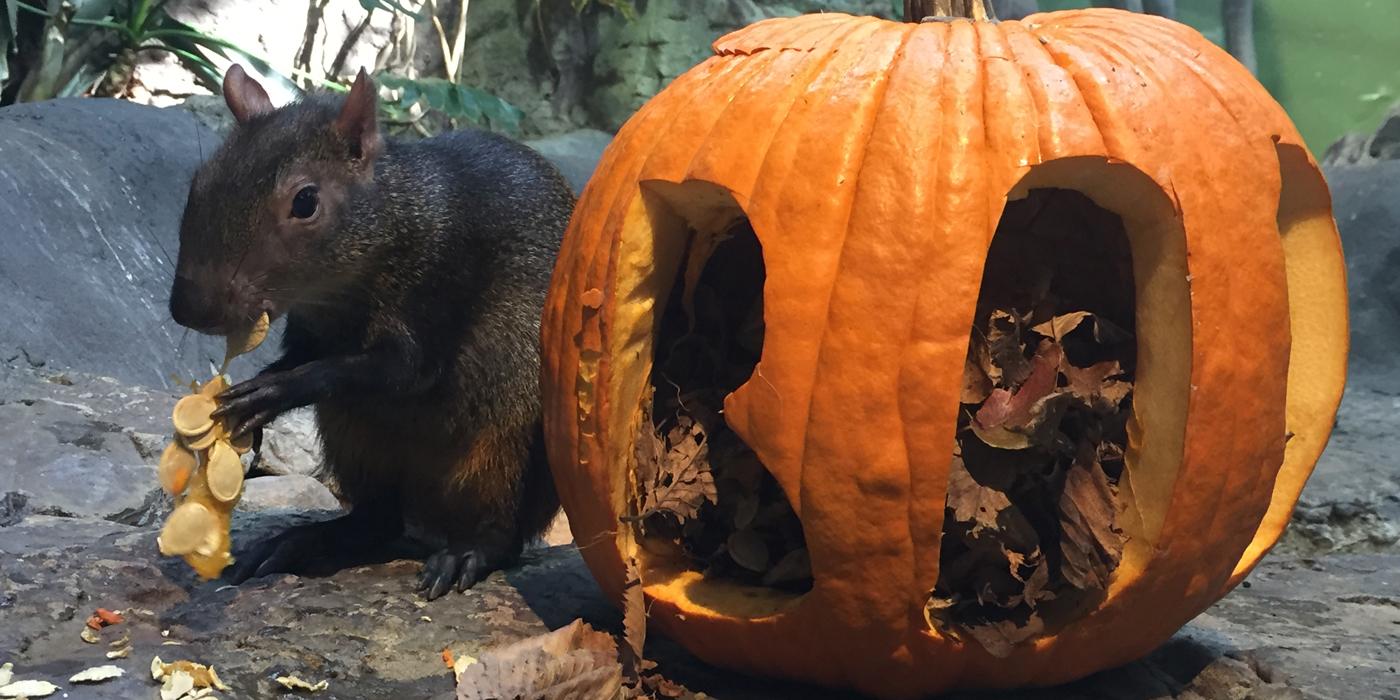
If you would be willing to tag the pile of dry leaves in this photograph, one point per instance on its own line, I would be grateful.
(1032, 531)
(701, 494)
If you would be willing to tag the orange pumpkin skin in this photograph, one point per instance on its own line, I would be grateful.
(874, 159)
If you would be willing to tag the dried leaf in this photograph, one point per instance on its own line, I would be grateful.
(972, 502)
(28, 689)
(1006, 362)
(1096, 386)
(748, 550)
(663, 687)
(96, 674)
(7, 673)
(1090, 545)
(572, 662)
(684, 481)
(1000, 638)
(89, 635)
(120, 653)
(1062, 325)
(976, 384)
(109, 617)
(634, 620)
(795, 566)
(1018, 420)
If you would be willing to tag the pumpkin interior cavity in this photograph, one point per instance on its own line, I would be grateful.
(1073, 407)
(707, 515)
(1031, 532)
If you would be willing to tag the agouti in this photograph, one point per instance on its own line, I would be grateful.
(412, 276)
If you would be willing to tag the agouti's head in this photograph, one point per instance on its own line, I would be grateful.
(263, 227)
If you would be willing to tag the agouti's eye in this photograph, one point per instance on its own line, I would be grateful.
(305, 203)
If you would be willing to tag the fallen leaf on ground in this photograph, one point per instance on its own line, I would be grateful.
(7, 672)
(575, 661)
(96, 674)
(89, 635)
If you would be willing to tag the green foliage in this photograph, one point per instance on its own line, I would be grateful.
(83, 40)
(451, 100)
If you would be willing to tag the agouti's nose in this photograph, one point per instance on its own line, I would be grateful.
(192, 306)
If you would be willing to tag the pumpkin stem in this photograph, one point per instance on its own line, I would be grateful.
(945, 10)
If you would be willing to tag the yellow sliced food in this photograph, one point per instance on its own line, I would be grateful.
(191, 415)
(176, 465)
(243, 444)
(246, 339)
(202, 442)
(187, 529)
(214, 387)
(224, 472)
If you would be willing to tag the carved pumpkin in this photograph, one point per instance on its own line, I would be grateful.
(874, 161)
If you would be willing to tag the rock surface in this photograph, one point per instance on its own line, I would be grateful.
(1363, 171)
(91, 193)
(1320, 618)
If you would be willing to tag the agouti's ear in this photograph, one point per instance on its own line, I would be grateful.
(245, 97)
(357, 122)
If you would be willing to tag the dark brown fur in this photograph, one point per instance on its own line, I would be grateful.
(413, 298)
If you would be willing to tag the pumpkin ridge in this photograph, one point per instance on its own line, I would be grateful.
(1235, 479)
(1232, 479)
(874, 100)
(1054, 111)
(1091, 92)
(836, 33)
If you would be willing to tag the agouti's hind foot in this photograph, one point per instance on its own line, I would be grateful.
(320, 548)
(457, 568)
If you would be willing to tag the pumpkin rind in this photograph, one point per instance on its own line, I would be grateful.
(874, 159)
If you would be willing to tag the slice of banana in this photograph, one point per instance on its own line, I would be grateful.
(246, 340)
(191, 415)
(187, 529)
(176, 465)
(224, 472)
(202, 442)
(243, 444)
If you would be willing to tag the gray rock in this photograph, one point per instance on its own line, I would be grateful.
(290, 444)
(1364, 149)
(75, 444)
(295, 492)
(576, 153)
(92, 191)
(1323, 628)
(1366, 198)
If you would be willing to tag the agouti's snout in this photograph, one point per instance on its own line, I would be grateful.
(195, 306)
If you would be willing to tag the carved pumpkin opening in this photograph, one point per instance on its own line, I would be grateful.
(1058, 480)
(702, 501)
(1317, 310)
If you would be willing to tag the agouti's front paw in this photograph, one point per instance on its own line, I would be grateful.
(460, 569)
(254, 403)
